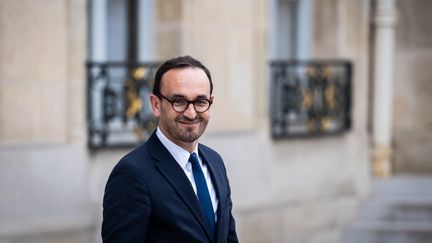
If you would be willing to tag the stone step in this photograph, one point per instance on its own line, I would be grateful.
(82, 235)
(388, 232)
(399, 209)
(403, 186)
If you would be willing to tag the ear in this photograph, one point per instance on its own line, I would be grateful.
(155, 105)
(212, 98)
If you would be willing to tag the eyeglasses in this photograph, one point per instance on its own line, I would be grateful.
(180, 104)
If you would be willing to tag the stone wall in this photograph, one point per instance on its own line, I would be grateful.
(168, 22)
(300, 190)
(413, 86)
(43, 164)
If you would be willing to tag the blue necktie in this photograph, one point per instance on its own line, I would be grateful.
(203, 193)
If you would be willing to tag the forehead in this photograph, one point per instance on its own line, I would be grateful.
(187, 80)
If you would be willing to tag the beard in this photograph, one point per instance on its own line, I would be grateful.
(184, 134)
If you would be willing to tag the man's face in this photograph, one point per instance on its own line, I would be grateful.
(183, 128)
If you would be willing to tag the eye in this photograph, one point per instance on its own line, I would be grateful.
(201, 102)
(180, 102)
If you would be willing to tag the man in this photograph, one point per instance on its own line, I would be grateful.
(172, 189)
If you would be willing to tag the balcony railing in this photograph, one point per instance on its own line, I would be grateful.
(310, 98)
(118, 110)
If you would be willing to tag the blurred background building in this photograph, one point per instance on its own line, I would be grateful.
(321, 111)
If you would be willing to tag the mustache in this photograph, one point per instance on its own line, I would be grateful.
(186, 119)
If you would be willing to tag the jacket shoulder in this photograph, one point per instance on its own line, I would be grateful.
(209, 151)
(138, 159)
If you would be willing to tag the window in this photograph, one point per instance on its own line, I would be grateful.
(290, 29)
(120, 72)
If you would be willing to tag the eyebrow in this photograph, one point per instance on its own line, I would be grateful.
(174, 96)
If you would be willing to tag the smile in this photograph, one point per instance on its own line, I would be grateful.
(189, 122)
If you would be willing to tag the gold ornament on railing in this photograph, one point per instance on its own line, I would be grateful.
(134, 101)
(326, 123)
(139, 73)
(330, 97)
(307, 99)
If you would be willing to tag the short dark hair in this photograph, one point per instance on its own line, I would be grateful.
(178, 62)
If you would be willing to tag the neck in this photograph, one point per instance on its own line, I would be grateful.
(190, 147)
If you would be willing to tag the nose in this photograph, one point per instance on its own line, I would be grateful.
(190, 112)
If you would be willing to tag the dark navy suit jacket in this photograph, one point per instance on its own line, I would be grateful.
(148, 198)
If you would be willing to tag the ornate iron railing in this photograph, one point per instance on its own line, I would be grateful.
(310, 98)
(118, 110)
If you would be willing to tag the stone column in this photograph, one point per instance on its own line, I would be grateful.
(384, 26)
(98, 41)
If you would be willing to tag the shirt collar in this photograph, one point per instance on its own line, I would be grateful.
(180, 154)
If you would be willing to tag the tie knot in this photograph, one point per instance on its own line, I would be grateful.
(194, 159)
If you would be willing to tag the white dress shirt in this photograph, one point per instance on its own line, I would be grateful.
(182, 158)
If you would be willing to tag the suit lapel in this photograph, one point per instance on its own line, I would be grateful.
(175, 175)
(217, 177)
(217, 180)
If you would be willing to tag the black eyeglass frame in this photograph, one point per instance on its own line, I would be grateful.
(188, 103)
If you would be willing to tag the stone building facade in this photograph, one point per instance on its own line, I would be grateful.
(286, 190)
